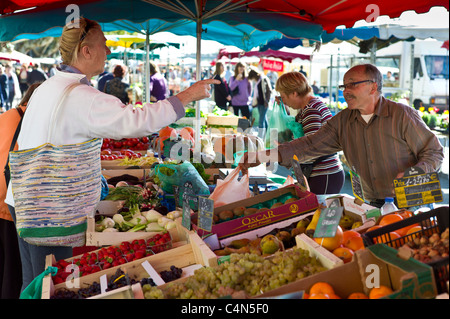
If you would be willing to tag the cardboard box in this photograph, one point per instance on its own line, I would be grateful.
(355, 210)
(409, 279)
(223, 120)
(307, 202)
(193, 251)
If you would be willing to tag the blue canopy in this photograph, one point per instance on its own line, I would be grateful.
(339, 35)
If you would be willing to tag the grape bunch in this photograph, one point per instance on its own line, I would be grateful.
(92, 290)
(248, 274)
(172, 274)
(64, 294)
(147, 281)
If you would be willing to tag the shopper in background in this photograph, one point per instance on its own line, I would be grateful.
(104, 77)
(10, 264)
(23, 76)
(221, 93)
(325, 174)
(86, 114)
(262, 90)
(240, 82)
(117, 86)
(380, 138)
(3, 89)
(13, 86)
(159, 89)
(36, 75)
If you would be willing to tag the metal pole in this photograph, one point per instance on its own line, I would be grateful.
(197, 125)
(337, 79)
(330, 80)
(147, 67)
(411, 76)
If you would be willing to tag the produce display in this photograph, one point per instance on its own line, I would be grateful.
(242, 276)
(242, 211)
(323, 290)
(112, 256)
(428, 248)
(141, 143)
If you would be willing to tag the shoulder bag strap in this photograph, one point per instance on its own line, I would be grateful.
(66, 92)
(13, 143)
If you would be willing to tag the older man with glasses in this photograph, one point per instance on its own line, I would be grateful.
(380, 138)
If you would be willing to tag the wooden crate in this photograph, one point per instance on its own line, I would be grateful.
(222, 120)
(186, 253)
(327, 258)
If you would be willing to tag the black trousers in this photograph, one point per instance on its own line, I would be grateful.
(10, 262)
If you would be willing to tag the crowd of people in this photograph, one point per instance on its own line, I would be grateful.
(380, 138)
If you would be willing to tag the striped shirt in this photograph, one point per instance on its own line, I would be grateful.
(395, 139)
(312, 118)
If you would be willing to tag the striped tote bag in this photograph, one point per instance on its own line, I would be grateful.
(55, 188)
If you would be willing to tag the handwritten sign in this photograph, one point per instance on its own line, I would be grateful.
(186, 216)
(176, 194)
(356, 185)
(417, 188)
(298, 172)
(329, 220)
(205, 213)
(188, 194)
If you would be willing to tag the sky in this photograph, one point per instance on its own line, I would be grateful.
(436, 17)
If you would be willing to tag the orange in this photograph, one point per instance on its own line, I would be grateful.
(406, 213)
(403, 231)
(321, 288)
(334, 296)
(319, 296)
(357, 295)
(354, 243)
(412, 230)
(167, 132)
(349, 234)
(344, 253)
(389, 219)
(384, 239)
(331, 243)
(373, 228)
(380, 292)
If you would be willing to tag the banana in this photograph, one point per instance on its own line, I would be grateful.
(312, 225)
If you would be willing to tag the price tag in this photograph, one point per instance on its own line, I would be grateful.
(205, 213)
(329, 220)
(186, 217)
(417, 188)
(103, 284)
(176, 194)
(356, 186)
(153, 273)
(189, 194)
(298, 172)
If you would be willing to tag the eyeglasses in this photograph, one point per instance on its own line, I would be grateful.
(85, 31)
(352, 85)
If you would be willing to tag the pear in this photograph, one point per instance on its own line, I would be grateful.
(226, 214)
(291, 200)
(277, 204)
(357, 224)
(239, 243)
(239, 211)
(303, 223)
(250, 210)
(284, 236)
(346, 222)
(270, 244)
(297, 231)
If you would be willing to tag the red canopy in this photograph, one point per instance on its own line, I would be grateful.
(328, 13)
(286, 56)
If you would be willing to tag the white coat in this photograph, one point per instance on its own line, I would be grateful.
(88, 113)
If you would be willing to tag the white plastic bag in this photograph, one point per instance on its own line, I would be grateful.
(231, 189)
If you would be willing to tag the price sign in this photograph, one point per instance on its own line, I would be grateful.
(186, 217)
(298, 172)
(205, 213)
(356, 185)
(329, 220)
(417, 188)
(176, 194)
(189, 194)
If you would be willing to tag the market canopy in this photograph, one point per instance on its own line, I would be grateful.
(286, 56)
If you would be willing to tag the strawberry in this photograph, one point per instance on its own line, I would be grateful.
(122, 261)
(106, 265)
(139, 254)
(130, 256)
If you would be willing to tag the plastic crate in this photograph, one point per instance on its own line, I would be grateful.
(433, 221)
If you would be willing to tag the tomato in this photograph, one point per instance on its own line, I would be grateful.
(113, 157)
(133, 141)
(103, 157)
(145, 139)
(117, 144)
(106, 151)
